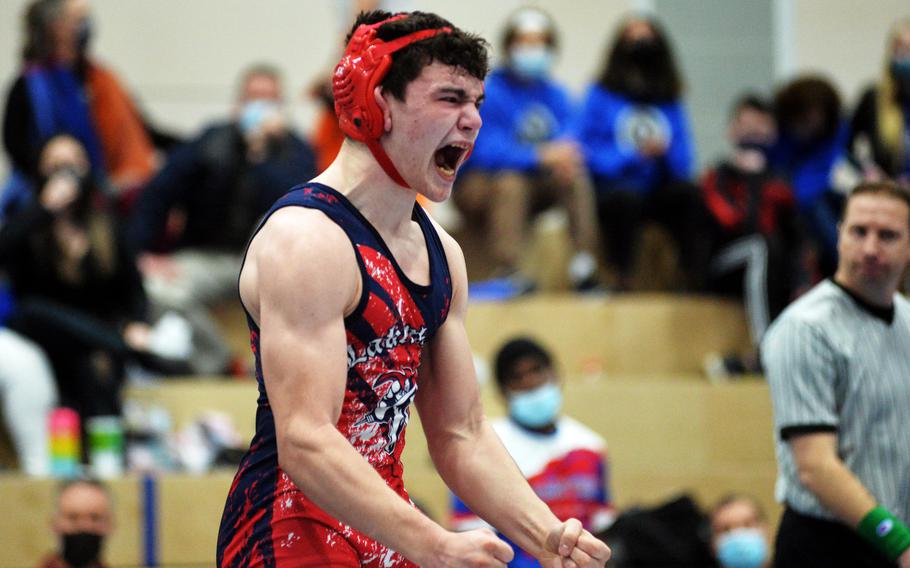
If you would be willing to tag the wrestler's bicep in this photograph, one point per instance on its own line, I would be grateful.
(305, 286)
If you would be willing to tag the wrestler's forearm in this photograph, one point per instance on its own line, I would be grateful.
(478, 468)
(335, 477)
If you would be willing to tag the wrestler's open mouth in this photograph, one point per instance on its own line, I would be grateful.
(450, 156)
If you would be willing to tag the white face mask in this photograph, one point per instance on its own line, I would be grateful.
(531, 62)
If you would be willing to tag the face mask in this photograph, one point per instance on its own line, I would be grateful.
(83, 34)
(742, 548)
(642, 51)
(531, 62)
(536, 408)
(81, 549)
(755, 146)
(255, 112)
(900, 68)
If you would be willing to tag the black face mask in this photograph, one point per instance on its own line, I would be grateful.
(81, 549)
(642, 51)
(84, 35)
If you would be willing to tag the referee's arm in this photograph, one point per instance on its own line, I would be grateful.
(823, 473)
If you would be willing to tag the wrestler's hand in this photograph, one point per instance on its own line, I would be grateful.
(479, 548)
(570, 546)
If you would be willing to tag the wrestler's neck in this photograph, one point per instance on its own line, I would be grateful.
(356, 174)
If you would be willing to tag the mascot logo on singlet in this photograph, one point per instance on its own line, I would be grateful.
(392, 407)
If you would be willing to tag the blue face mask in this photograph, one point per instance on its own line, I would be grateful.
(532, 62)
(742, 548)
(255, 112)
(536, 408)
(900, 68)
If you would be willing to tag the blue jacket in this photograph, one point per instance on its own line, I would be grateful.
(517, 116)
(611, 128)
(809, 168)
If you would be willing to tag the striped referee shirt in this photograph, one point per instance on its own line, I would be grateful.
(837, 364)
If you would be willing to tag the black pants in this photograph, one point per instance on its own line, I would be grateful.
(676, 207)
(86, 353)
(809, 542)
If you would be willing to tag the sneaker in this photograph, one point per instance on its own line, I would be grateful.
(583, 271)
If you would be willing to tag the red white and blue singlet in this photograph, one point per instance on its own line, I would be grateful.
(268, 521)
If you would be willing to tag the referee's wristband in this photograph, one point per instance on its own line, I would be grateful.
(885, 531)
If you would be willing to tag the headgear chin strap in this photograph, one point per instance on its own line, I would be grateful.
(365, 63)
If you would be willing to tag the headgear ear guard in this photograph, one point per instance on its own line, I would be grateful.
(365, 63)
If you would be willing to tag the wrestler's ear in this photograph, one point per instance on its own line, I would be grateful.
(384, 108)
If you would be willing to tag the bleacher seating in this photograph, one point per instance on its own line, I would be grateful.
(631, 370)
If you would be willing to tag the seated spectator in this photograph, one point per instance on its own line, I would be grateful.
(668, 534)
(880, 128)
(217, 185)
(811, 148)
(753, 229)
(78, 294)
(563, 460)
(525, 160)
(739, 533)
(28, 393)
(62, 89)
(83, 519)
(638, 147)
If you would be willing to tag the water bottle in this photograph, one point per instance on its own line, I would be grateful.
(65, 442)
(105, 436)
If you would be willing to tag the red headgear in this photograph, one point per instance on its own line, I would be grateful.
(365, 62)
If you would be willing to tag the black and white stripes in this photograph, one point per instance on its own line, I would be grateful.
(833, 364)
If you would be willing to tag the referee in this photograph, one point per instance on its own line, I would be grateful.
(838, 363)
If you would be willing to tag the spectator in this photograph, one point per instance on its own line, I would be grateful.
(810, 150)
(218, 184)
(77, 292)
(739, 533)
(880, 129)
(563, 460)
(62, 89)
(837, 365)
(83, 519)
(525, 160)
(753, 228)
(638, 147)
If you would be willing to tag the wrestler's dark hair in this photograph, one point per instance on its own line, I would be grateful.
(656, 82)
(887, 188)
(513, 351)
(460, 49)
(804, 94)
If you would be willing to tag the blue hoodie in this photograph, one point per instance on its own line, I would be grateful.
(518, 115)
(611, 127)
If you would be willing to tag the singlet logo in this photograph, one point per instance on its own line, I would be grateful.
(398, 334)
(392, 408)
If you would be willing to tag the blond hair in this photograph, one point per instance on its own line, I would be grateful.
(890, 115)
